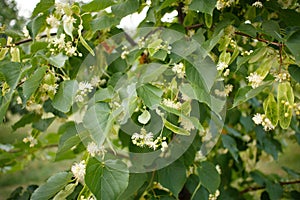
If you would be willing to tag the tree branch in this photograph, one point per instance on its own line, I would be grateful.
(30, 40)
(259, 39)
(251, 189)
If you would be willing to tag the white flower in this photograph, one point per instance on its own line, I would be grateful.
(78, 170)
(124, 54)
(171, 104)
(220, 5)
(179, 69)
(31, 140)
(257, 4)
(70, 50)
(164, 146)
(95, 81)
(247, 22)
(52, 21)
(25, 32)
(218, 168)
(85, 86)
(267, 124)
(214, 196)
(258, 118)
(226, 73)
(59, 42)
(255, 80)
(69, 19)
(186, 124)
(264, 121)
(221, 66)
(79, 98)
(228, 88)
(94, 150)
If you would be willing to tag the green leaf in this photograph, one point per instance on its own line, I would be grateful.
(104, 94)
(174, 128)
(246, 93)
(267, 143)
(271, 109)
(43, 124)
(36, 25)
(106, 180)
(264, 68)
(203, 6)
(12, 73)
(285, 98)
(209, 176)
(63, 99)
(26, 119)
(136, 180)
(294, 71)
(293, 43)
(104, 22)
(42, 6)
(272, 29)
(97, 5)
(33, 82)
(173, 177)
(98, 121)
(63, 194)
(122, 9)
(53, 185)
(248, 29)
(230, 144)
(150, 94)
(274, 190)
(58, 60)
(36, 46)
(69, 139)
(151, 72)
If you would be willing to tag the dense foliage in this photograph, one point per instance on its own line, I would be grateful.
(179, 107)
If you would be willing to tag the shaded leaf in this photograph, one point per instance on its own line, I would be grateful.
(203, 6)
(173, 177)
(294, 71)
(106, 180)
(150, 94)
(33, 82)
(293, 43)
(209, 176)
(230, 144)
(53, 185)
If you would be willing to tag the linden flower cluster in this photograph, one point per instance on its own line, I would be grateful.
(78, 170)
(254, 79)
(179, 70)
(93, 149)
(143, 139)
(257, 4)
(223, 4)
(172, 104)
(60, 45)
(214, 196)
(281, 77)
(84, 88)
(227, 89)
(264, 121)
(31, 140)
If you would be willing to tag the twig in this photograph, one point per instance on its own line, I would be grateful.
(251, 189)
(193, 26)
(181, 14)
(259, 39)
(30, 40)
